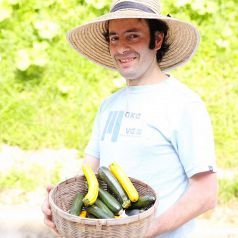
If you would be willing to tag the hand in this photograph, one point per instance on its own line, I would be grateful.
(47, 211)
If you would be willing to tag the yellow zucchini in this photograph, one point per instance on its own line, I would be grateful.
(93, 186)
(124, 180)
(83, 214)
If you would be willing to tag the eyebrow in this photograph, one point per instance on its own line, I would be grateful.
(128, 31)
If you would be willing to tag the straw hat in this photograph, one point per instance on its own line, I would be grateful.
(89, 41)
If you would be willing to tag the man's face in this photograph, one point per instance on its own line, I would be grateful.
(129, 47)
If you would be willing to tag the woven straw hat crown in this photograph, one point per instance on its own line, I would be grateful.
(89, 41)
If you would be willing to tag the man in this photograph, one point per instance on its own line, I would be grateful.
(156, 128)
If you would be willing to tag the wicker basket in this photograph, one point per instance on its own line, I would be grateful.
(70, 226)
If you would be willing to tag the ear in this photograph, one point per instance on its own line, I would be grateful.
(159, 37)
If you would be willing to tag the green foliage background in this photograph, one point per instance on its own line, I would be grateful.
(49, 94)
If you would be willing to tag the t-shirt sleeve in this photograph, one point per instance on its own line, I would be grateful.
(93, 145)
(193, 140)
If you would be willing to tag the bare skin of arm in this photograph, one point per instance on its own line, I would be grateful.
(199, 198)
(94, 163)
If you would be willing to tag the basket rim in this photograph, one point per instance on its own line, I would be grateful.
(108, 221)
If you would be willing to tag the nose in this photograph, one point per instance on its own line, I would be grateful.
(122, 46)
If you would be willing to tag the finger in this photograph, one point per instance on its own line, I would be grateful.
(46, 208)
(58, 234)
(47, 211)
(49, 223)
(49, 188)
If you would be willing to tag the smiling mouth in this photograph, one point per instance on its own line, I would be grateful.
(125, 61)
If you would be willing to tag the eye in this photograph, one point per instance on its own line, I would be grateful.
(133, 36)
(113, 39)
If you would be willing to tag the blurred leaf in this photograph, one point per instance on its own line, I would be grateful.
(47, 29)
(204, 6)
(222, 43)
(14, 2)
(99, 4)
(23, 59)
(32, 56)
(5, 12)
(181, 3)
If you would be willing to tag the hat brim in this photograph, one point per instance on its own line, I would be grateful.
(182, 37)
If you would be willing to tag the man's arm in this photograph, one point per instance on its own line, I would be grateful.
(92, 161)
(199, 198)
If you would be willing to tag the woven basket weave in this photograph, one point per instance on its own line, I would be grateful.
(70, 226)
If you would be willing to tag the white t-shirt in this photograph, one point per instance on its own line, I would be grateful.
(160, 134)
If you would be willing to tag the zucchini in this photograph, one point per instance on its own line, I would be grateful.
(110, 201)
(90, 216)
(93, 185)
(113, 185)
(83, 214)
(76, 204)
(143, 202)
(125, 181)
(104, 207)
(98, 212)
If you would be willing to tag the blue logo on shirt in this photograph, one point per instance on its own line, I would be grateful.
(113, 125)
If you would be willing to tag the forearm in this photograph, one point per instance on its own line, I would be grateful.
(92, 162)
(199, 198)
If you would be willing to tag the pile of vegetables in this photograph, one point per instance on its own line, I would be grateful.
(119, 200)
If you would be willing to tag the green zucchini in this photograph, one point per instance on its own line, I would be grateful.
(110, 201)
(113, 185)
(98, 212)
(143, 202)
(90, 216)
(104, 207)
(76, 204)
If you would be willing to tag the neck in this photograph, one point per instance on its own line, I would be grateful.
(152, 75)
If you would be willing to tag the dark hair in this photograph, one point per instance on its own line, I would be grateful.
(154, 26)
